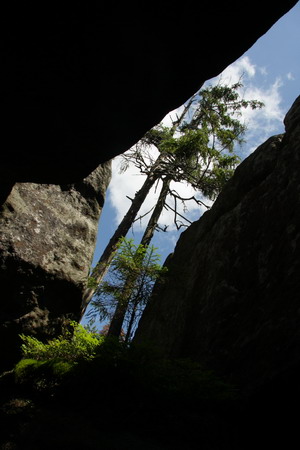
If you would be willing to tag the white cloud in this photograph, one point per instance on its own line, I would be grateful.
(242, 67)
(264, 122)
(263, 71)
(271, 98)
(290, 76)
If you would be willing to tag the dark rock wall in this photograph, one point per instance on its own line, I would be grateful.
(81, 84)
(48, 235)
(232, 295)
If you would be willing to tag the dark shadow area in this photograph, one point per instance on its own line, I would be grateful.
(133, 399)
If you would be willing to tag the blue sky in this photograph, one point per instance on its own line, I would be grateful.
(271, 73)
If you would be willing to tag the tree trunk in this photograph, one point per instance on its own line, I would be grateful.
(116, 323)
(121, 309)
(123, 228)
(153, 221)
(131, 321)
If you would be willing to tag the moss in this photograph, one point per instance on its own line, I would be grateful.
(62, 368)
(26, 368)
(42, 375)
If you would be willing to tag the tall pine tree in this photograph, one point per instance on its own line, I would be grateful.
(198, 149)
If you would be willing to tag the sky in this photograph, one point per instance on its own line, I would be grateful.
(270, 72)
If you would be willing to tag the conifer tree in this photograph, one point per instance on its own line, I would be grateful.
(133, 271)
(197, 149)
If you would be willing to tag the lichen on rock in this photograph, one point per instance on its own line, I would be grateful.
(48, 236)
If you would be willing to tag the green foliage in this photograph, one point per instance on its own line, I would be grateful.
(199, 146)
(92, 283)
(157, 135)
(131, 277)
(202, 153)
(75, 344)
(44, 365)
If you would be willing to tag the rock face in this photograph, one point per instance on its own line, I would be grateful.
(80, 79)
(232, 296)
(48, 235)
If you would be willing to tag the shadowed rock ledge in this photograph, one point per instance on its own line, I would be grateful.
(232, 296)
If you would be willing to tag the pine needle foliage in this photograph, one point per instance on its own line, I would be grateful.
(131, 277)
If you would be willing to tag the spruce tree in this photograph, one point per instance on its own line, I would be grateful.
(198, 149)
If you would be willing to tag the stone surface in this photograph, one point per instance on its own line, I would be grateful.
(83, 83)
(48, 235)
(232, 295)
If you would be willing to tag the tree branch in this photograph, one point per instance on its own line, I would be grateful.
(198, 201)
(177, 214)
(164, 229)
(144, 215)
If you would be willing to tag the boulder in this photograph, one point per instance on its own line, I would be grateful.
(48, 236)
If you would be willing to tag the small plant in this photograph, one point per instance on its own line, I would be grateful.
(45, 365)
(75, 344)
